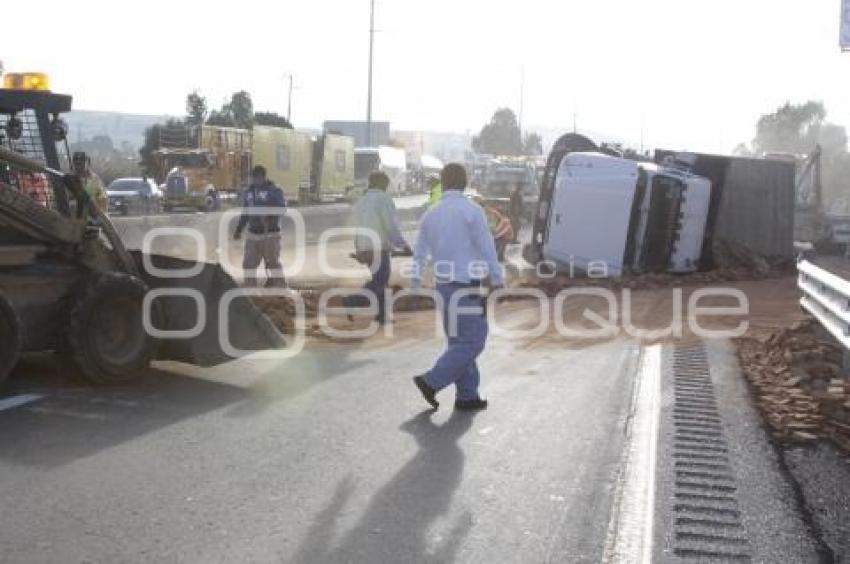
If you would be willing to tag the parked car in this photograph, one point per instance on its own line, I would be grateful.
(134, 196)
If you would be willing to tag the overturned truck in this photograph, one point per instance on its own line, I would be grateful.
(69, 285)
(614, 215)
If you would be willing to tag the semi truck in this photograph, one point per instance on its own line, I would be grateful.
(618, 215)
(208, 167)
(681, 212)
(500, 175)
(389, 160)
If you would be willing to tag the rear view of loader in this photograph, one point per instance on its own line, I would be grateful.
(68, 284)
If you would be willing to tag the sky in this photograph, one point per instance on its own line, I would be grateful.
(682, 74)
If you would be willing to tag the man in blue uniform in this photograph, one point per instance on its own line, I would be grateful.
(455, 235)
(263, 241)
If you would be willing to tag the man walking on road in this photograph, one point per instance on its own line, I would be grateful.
(457, 239)
(263, 241)
(374, 216)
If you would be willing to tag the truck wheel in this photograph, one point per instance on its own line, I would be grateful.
(107, 338)
(10, 337)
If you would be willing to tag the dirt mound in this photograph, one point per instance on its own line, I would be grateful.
(797, 379)
(283, 313)
(658, 281)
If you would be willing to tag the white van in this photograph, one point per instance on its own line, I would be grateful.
(623, 215)
(390, 160)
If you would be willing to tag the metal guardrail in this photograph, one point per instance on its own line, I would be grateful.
(827, 297)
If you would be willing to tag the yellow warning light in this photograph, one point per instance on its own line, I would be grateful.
(26, 81)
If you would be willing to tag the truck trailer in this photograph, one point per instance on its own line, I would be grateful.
(215, 164)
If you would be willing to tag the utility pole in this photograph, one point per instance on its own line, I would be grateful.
(369, 93)
(521, 100)
(289, 102)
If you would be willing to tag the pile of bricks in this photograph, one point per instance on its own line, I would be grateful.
(282, 311)
(797, 378)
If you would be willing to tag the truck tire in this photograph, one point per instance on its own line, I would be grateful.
(107, 339)
(10, 337)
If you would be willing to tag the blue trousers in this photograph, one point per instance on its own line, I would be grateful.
(457, 365)
(378, 283)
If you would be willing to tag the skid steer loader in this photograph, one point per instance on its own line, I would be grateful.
(67, 282)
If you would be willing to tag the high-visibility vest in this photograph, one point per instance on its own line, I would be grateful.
(436, 195)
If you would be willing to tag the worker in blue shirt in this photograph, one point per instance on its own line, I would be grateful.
(263, 241)
(455, 236)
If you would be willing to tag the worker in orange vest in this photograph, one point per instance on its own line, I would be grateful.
(500, 226)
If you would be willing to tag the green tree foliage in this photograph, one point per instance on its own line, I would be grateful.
(115, 164)
(238, 112)
(272, 119)
(241, 109)
(107, 161)
(791, 128)
(153, 135)
(532, 145)
(797, 129)
(196, 109)
(501, 136)
(220, 118)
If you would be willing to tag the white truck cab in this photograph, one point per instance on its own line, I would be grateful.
(390, 160)
(622, 215)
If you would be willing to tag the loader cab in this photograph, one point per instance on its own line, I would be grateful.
(31, 124)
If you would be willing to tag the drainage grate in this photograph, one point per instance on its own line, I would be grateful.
(707, 520)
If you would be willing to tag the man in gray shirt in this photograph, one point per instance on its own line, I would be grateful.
(377, 235)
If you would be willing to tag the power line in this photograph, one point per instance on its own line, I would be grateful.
(369, 92)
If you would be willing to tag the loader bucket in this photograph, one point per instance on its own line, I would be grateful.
(247, 327)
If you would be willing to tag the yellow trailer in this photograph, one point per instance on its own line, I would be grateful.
(287, 155)
(333, 166)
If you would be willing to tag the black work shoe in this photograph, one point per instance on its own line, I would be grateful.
(427, 391)
(471, 405)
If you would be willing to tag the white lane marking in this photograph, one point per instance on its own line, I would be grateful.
(17, 401)
(630, 533)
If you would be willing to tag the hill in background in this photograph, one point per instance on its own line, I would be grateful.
(125, 130)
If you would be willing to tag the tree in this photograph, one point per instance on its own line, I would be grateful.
(797, 129)
(271, 118)
(196, 109)
(152, 143)
(742, 150)
(240, 109)
(220, 118)
(501, 136)
(238, 112)
(793, 129)
(532, 145)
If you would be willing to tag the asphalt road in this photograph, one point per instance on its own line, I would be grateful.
(327, 457)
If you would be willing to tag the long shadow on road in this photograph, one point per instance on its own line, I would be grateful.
(395, 525)
(295, 377)
(72, 421)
